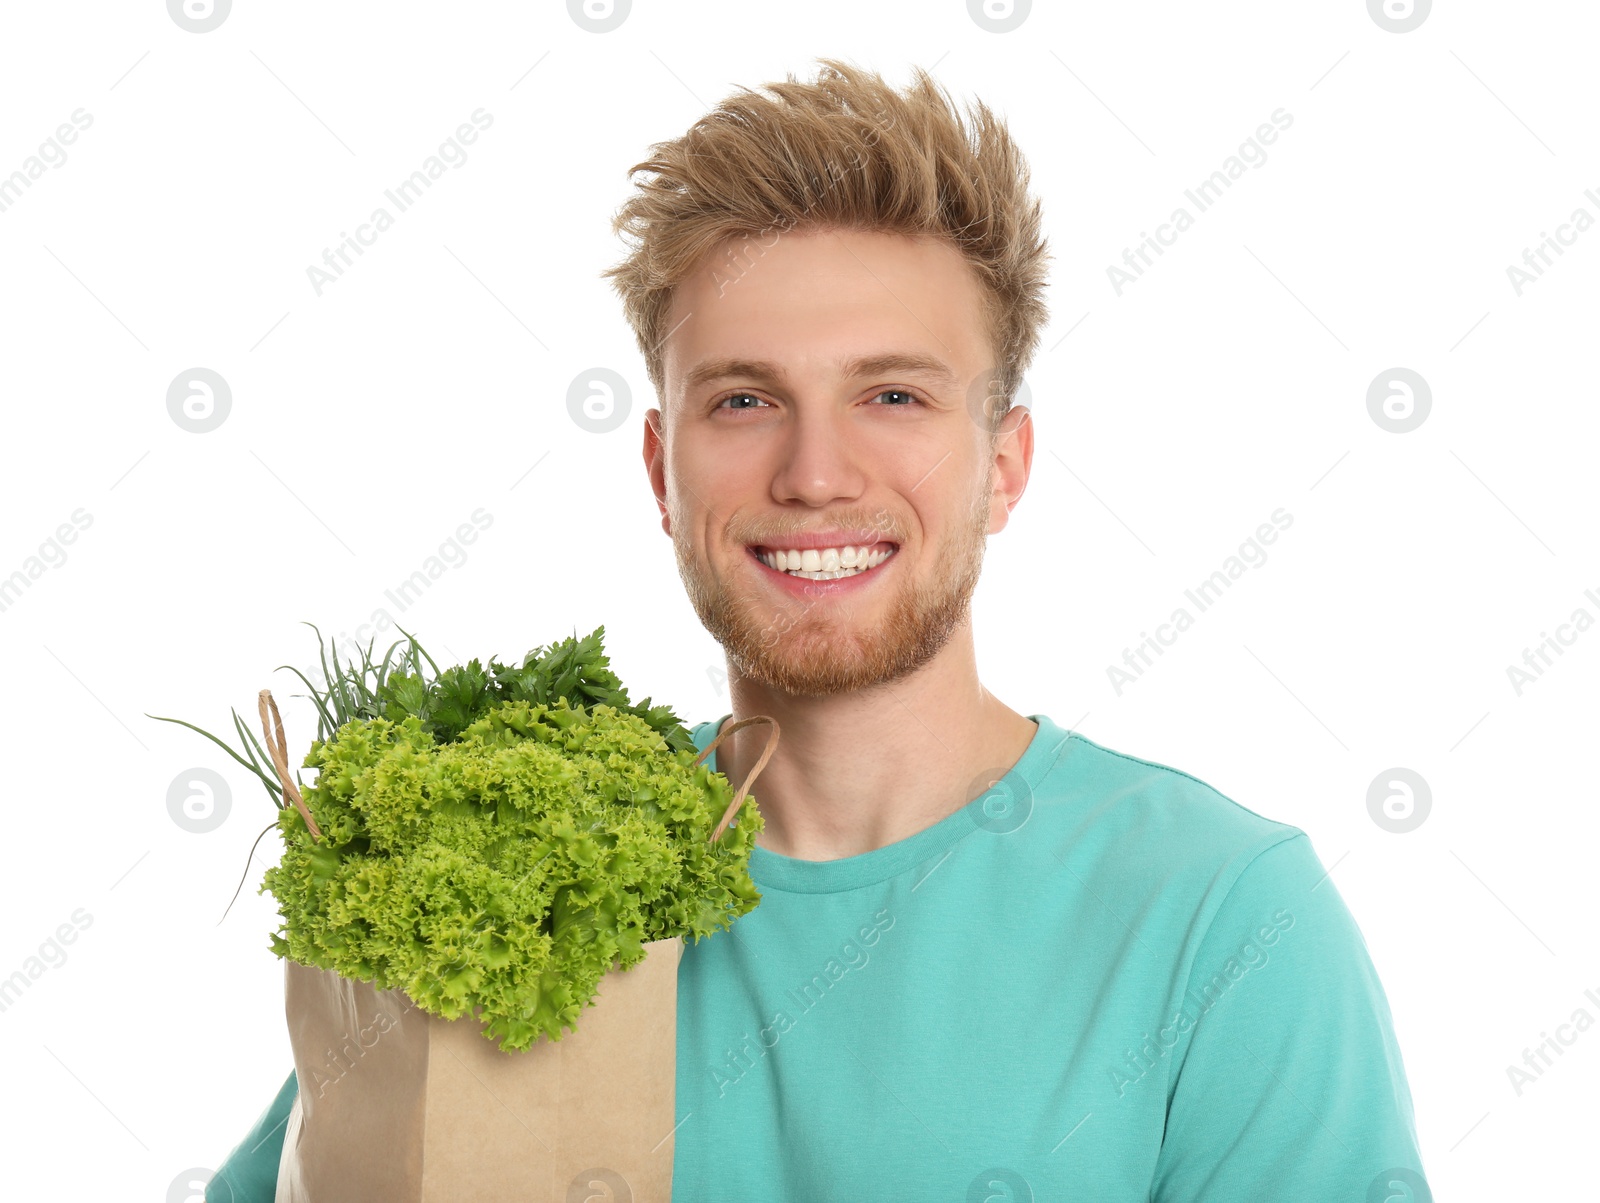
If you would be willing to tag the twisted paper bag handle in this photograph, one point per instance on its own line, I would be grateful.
(750, 777)
(277, 747)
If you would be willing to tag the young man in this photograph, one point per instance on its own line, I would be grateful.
(993, 959)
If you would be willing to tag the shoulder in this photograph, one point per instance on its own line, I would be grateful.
(1161, 798)
(1160, 825)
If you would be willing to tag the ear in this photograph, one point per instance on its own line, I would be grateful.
(1013, 460)
(655, 463)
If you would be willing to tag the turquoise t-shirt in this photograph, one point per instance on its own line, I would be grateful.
(1100, 980)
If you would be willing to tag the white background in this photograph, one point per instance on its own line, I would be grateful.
(369, 422)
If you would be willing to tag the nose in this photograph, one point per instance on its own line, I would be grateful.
(817, 465)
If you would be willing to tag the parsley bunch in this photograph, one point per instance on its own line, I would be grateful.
(496, 838)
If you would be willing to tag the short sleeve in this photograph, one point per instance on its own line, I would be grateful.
(250, 1174)
(1289, 1085)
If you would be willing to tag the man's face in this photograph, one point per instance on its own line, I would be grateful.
(780, 436)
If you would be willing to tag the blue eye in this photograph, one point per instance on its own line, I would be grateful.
(905, 399)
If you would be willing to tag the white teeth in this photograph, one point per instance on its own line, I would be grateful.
(826, 563)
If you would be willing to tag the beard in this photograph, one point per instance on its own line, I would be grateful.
(821, 648)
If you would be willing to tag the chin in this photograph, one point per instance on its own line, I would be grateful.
(816, 657)
(837, 647)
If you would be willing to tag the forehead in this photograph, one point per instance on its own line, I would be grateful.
(817, 299)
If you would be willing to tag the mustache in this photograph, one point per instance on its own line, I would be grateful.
(880, 523)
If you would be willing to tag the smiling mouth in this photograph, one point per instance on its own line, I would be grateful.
(825, 563)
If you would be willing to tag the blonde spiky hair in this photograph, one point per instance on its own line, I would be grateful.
(845, 152)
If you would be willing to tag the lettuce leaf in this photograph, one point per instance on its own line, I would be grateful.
(504, 872)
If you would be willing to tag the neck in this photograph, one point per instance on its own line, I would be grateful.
(858, 771)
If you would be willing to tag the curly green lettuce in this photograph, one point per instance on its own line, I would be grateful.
(503, 874)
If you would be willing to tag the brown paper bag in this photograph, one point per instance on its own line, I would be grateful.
(400, 1106)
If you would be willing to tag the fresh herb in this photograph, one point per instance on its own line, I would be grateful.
(495, 839)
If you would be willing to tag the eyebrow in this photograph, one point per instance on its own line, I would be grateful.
(897, 363)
